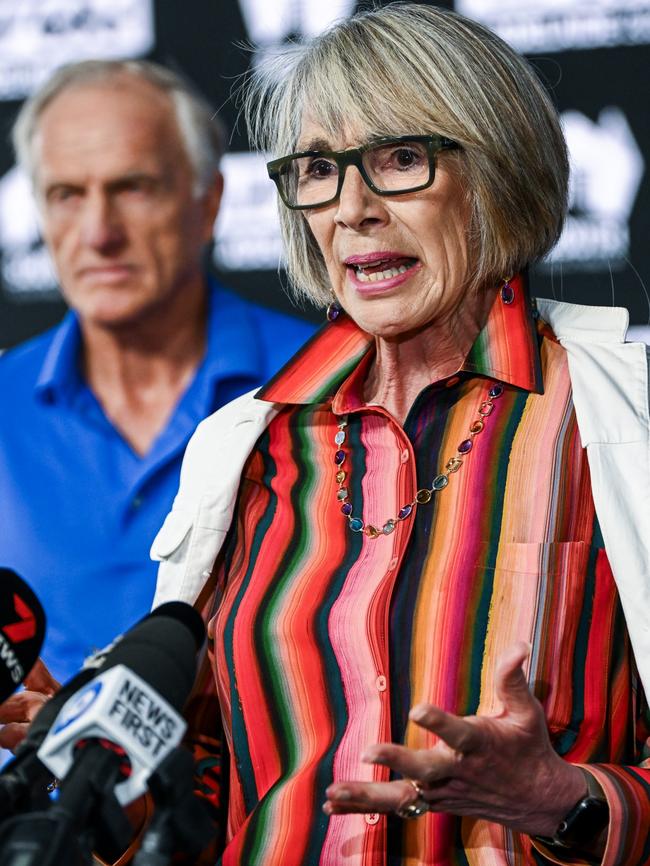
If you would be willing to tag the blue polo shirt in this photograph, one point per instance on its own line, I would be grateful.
(78, 507)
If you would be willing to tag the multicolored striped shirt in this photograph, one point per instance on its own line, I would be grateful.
(323, 638)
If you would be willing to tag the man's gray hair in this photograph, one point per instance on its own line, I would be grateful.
(406, 69)
(201, 131)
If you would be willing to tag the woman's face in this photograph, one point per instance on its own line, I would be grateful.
(416, 243)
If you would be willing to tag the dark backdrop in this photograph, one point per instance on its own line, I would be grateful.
(597, 72)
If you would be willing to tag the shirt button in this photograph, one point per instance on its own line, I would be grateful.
(405, 455)
(372, 818)
(380, 682)
(137, 502)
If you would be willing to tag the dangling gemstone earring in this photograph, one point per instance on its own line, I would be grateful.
(507, 292)
(333, 311)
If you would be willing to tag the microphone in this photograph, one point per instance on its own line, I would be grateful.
(135, 700)
(106, 738)
(27, 773)
(22, 629)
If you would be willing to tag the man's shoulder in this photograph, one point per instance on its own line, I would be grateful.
(275, 336)
(22, 363)
(263, 314)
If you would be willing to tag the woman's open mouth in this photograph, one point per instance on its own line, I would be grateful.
(383, 269)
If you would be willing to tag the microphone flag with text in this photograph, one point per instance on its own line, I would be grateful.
(22, 629)
(134, 701)
(104, 738)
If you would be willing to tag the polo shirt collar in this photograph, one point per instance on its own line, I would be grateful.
(60, 376)
(506, 349)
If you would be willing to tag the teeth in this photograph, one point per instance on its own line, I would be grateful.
(363, 277)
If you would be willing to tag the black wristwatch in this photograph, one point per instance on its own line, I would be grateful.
(583, 823)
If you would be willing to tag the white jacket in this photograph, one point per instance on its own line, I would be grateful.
(611, 392)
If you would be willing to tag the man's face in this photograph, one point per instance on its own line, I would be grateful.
(115, 190)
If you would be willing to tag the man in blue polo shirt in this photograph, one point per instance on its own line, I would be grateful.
(96, 413)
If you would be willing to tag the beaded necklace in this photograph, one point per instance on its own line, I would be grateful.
(424, 494)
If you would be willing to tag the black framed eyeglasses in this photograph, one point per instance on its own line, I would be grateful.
(389, 166)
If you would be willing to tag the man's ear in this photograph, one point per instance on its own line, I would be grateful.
(211, 204)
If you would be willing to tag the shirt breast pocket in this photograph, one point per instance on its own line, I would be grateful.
(542, 594)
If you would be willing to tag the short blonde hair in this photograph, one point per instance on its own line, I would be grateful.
(409, 68)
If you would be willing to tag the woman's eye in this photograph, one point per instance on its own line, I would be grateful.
(405, 157)
(321, 168)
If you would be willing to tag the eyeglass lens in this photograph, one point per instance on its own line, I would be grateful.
(391, 166)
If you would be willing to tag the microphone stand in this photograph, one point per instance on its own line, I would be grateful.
(86, 815)
(181, 823)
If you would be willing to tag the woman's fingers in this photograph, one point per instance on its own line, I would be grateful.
(382, 797)
(22, 706)
(39, 679)
(459, 734)
(12, 735)
(428, 766)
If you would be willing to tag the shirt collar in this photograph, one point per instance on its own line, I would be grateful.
(506, 349)
(60, 374)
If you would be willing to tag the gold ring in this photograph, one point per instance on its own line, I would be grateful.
(417, 787)
(418, 807)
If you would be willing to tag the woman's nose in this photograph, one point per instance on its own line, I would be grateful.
(358, 204)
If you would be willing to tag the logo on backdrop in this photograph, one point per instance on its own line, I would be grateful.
(606, 171)
(270, 24)
(556, 25)
(248, 200)
(36, 37)
(26, 268)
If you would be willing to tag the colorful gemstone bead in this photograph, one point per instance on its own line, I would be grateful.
(476, 427)
(341, 476)
(347, 509)
(404, 512)
(440, 482)
(333, 312)
(423, 496)
(339, 457)
(485, 409)
(342, 493)
(388, 527)
(465, 446)
(356, 525)
(495, 391)
(507, 293)
(340, 437)
(371, 531)
(454, 464)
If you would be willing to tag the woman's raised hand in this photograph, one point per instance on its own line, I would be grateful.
(498, 767)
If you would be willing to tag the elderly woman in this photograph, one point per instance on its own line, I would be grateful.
(418, 648)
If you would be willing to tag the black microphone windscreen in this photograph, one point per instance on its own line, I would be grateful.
(184, 613)
(162, 650)
(22, 629)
